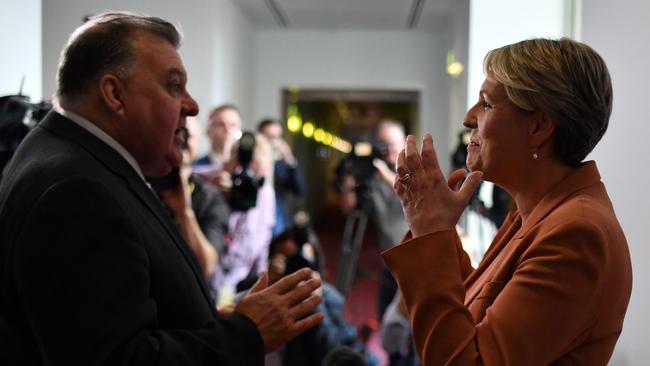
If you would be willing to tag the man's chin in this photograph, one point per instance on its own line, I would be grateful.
(172, 160)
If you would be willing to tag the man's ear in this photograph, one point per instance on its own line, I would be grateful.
(541, 130)
(111, 91)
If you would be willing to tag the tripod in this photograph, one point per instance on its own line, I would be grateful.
(353, 233)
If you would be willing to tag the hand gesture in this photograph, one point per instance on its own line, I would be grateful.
(430, 202)
(285, 151)
(279, 310)
(384, 171)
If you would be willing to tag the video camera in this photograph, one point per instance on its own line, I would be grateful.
(17, 117)
(359, 163)
(245, 183)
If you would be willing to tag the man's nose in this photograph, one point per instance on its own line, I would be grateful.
(190, 107)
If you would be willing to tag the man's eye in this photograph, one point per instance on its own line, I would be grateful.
(175, 87)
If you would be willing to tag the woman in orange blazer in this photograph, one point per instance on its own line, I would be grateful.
(554, 286)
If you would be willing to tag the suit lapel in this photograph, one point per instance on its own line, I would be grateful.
(515, 231)
(115, 163)
(501, 240)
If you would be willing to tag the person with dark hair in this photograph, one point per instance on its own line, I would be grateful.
(92, 270)
(344, 356)
(198, 208)
(289, 255)
(554, 286)
(287, 178)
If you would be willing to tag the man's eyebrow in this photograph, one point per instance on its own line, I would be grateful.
(179, 73)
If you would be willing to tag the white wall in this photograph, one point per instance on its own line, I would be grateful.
(397, 60)
(20, 27)
(217, 47)
(620, 32)
(497, 23)
(459, 33)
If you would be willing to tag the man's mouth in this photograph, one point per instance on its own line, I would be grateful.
(181, 135)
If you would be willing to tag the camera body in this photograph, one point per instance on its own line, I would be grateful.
(245, 183)
(17, 117)
(359, 163)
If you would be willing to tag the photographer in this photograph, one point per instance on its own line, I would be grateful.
(287, 178)
(199, 210)
(224, 130)
(17, 117)
(252, 218)
(376, 196)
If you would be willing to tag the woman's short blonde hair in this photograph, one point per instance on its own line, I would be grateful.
(565, 79)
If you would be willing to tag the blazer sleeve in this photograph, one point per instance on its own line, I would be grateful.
(83, 275)
(537, 316)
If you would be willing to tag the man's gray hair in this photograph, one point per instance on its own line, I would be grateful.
(103, 45)
(390, 123)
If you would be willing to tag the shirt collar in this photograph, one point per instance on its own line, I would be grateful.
(106, 138)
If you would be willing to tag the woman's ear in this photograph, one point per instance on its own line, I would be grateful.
(111, 91)
(541, 130)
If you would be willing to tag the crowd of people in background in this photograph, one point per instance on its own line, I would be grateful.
(119, 242)
(234, 245)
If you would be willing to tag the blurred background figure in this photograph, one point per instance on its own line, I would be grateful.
(287, 178)
(224, 130)
(373, 194)
(344, 356)
(199, 209)
(291, 250)
(250, 225)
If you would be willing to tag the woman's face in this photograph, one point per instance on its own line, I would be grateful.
(499, 143)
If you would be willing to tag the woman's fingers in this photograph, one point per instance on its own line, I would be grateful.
(412, 155)
(429, 157)
(456, 179)
(469, 186)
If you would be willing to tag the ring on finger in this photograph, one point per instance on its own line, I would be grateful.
(405, 177)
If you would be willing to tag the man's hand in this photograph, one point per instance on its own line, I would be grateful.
(278, 310)
(285, 151)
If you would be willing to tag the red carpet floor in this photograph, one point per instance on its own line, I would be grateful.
(361, 300)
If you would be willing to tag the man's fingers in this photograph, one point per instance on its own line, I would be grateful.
(304, 307)
(287, 283)
(302, 291)
(307, 323)
(261, 283)
(470, 185)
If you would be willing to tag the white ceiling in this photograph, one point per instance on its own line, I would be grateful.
(350, 14)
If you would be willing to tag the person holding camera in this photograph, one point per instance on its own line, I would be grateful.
(224, 130)
(250, 225)
(92, 270)
(381, 202)
(198, 208)
(287, 178)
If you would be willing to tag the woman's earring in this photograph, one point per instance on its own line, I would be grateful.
(535, 156)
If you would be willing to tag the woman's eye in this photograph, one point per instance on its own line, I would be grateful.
(486, 105)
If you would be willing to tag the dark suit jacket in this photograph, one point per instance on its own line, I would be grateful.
(550, 290)
(93, 272)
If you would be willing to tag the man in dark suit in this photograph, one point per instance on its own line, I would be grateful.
(92, 271)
